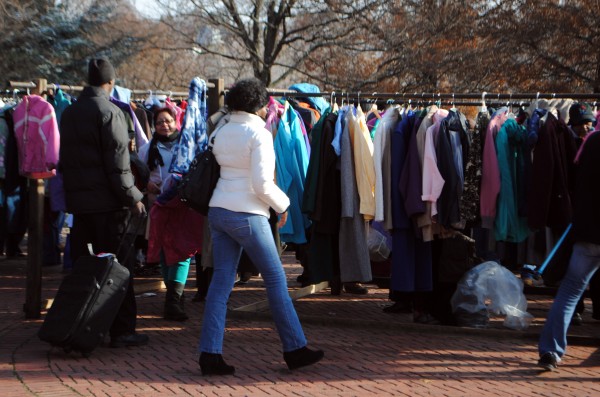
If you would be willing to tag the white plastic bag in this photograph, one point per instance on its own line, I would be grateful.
(492, 287)
(378, 248)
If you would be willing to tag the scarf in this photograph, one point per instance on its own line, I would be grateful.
(154, 157)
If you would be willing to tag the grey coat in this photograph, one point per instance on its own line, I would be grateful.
(355, 264)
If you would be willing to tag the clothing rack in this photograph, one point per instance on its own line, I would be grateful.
(435, 96)
(457, 99)
(78, 88)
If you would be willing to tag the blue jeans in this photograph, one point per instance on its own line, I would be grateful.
(231, 231)
(584, 262)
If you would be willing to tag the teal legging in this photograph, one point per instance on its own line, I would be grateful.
(177, 272)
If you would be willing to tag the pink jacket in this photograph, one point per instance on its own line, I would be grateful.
(490, 172)
(432, 180)
(38, 139)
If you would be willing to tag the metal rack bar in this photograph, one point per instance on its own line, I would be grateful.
(76, 88)
(431, 96)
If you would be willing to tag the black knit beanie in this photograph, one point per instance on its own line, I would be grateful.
(100, 71)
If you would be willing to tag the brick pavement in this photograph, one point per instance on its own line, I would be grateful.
(368, 352)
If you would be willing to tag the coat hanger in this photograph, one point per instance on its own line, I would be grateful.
(511, 115)
(483, 106)
(374, 110)
(453, 108)
(334, 106)
(149, 102)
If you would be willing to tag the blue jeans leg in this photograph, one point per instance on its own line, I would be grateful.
(230, 232)
(584, 262)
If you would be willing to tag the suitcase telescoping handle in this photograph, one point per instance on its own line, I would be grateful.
(124, 243)
(124, 239)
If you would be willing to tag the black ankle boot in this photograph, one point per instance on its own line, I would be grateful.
(174, 302)
(213, 364)
(302, 357)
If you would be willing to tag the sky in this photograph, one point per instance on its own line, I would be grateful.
(148, 8)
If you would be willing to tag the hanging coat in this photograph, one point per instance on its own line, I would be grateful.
(309, 198)
(411, 257)
(4, 132)
(490, 175)
(411, 186)
(382, 157)
(470, 210)
(38, 139)
(552, 176)
(433, 182)
(355, 264)
(325, 229)
(511, 146)
(60, 102)
(193, 138)
(452, 150)
(362, 149)
(291, 164)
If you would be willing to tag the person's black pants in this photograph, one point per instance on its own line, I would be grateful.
(104, 231)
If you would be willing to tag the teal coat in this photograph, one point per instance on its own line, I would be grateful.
(511, 149)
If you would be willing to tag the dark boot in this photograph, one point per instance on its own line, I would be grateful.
(302, 357)
(213, 364)
(203, 279)
(174, 302)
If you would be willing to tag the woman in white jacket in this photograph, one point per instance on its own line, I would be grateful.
(238, 218)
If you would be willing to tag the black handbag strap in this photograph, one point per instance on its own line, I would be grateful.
(211, 138)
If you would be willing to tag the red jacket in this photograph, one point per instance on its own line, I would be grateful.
(176, 229)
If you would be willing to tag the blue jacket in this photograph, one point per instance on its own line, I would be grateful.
(533, 126)
(193, 138)
(317, 102)
(291, 165)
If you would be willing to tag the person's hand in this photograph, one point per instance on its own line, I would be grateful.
(282, 219)
(153, 188)
(139, 210)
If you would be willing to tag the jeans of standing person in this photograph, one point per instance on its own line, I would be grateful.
(584, 262)
(231, 231)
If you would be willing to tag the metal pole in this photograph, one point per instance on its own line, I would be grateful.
(33, 302)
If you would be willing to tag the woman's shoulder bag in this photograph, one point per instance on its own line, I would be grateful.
(197, 186)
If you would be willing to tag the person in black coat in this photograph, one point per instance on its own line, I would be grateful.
(98, 183)
(581, 120)
(585, 259)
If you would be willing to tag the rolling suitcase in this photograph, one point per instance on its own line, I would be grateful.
(86, 303)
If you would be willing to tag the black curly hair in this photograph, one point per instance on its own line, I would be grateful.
(163, 109)
(247, 95)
